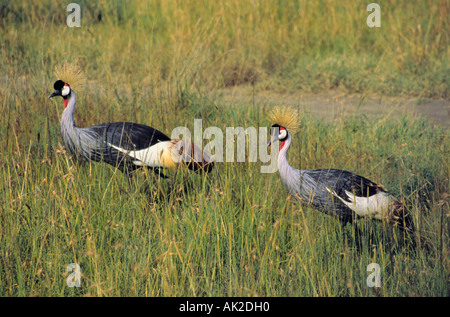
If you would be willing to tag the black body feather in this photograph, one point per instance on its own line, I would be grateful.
(128, 136)
(315, 184)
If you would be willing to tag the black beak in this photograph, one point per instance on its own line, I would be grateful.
(55, 93)
(274, 138)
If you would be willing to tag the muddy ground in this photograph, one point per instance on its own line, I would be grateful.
(334, 104)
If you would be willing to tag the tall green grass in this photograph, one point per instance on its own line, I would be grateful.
(232, 232)
(228, 233)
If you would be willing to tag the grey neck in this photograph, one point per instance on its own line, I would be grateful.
(289, 175)
(67, 116)
(69, 131)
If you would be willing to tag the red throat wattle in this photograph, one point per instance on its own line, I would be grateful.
(282, 142)
(66, 100)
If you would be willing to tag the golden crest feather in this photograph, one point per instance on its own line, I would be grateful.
(286, 117)
(71, 74)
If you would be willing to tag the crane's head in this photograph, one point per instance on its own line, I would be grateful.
(69, 76)
(285, 121)
(61, 89)
(278, 133)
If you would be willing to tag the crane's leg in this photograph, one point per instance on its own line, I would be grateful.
(357, 236)
(169, 181)
(342, 235)
(128, 175)
(400, 217)
(352, 234)
(124, 169)
(390, 242)
(408, 231)
(158, 172)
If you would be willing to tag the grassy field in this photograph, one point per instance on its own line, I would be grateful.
(232, 232)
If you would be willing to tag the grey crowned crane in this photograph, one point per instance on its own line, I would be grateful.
(335, 192)
(124, 145)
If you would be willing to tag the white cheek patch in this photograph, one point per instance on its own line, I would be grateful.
(65, 91)
(282, 134)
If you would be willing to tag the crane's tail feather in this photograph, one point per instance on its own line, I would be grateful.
(192, 156)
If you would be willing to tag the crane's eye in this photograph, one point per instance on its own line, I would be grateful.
(282, 135)
(65, 90)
